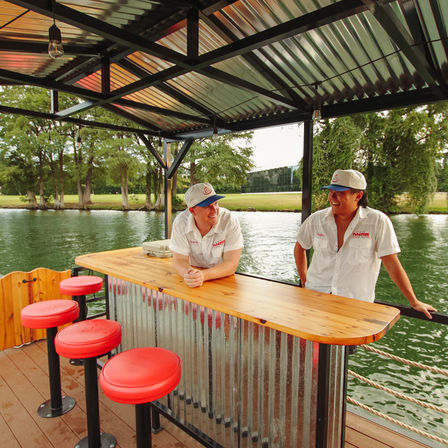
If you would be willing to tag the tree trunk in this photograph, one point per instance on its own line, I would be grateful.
(61, 179)
(57, 203)
(77, 159)
(148, 178)
(193, 179)
(32, 201)
(159, 191)
(88, 188)
(80, 194)
(42, 202)
(124, 188)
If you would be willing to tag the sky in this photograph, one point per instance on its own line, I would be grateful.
(277, 146)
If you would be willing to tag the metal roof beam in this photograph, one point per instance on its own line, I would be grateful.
(227, 78)
(323, 16)
(161, 111)
(412, 15)
(293, 27)
(18, 78)
(441, 28)
(403, 99)
(153, 151)
(76, 109)
(180, 156)
(320, 17)
(128, 116)
(42, 48)
(193, 33)
(169, 90)
(392, 25)
(46, 83)
(54, 117)
(101, 28)
(253, 60)
(105, 74)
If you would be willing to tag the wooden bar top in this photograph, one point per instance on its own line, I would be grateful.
(311, 315)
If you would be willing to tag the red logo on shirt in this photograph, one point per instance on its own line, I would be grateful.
(361, 235)
(219, 243)
(193, 242)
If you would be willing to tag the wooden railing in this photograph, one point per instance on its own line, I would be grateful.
(19, 289)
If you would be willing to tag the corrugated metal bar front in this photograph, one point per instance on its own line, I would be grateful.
(242, 385)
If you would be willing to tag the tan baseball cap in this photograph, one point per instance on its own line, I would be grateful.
(201, 195)
(345, 180)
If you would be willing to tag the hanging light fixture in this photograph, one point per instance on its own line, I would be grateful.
(317, 114)
(55, 49)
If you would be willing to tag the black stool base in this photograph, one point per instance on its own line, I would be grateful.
(107, 441)
(76, 362)
(45, 410)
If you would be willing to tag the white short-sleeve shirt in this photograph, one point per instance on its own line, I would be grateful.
(353, 270)
(206, 251)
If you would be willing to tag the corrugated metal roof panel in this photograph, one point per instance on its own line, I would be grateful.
(30, 64)
(313, 53)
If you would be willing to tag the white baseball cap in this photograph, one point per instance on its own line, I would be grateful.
(345, 180)
(201, 195)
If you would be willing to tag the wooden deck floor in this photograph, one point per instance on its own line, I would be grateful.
(24, 385)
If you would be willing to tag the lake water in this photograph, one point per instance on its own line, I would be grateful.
(52, 239)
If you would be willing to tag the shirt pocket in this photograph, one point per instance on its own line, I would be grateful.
(320, 243)
(217, 252)
(361, 248)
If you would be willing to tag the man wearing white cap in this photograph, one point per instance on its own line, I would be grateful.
(205, 236)
(350, 240)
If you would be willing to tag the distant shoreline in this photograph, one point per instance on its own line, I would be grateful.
(260, 202)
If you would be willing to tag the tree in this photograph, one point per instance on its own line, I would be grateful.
(223, 161)
(335, 146)
(26, 144)
(32, 148)
(397, 150)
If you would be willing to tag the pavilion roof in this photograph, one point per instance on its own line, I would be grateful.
(184, 68)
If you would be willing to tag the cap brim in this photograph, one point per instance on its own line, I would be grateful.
(210, 200)
(335, 187)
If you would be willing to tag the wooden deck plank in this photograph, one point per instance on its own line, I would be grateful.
(18, 419)
(72, 379)
(36, 362)
(25, 379)
(24, 385)
(362, 432)
(29, 366)
(7, 438)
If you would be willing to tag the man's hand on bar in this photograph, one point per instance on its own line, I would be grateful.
(193, 277)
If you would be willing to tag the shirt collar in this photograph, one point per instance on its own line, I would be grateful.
(191, 225)
(361, 213)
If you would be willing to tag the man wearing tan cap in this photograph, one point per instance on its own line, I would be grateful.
(205, 236)
(350, 240)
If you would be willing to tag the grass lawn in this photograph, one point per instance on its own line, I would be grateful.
(248, 201)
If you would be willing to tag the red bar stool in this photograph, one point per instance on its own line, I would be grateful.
(87, 340)
(79, 287)
(140, 376)
(49, 315)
